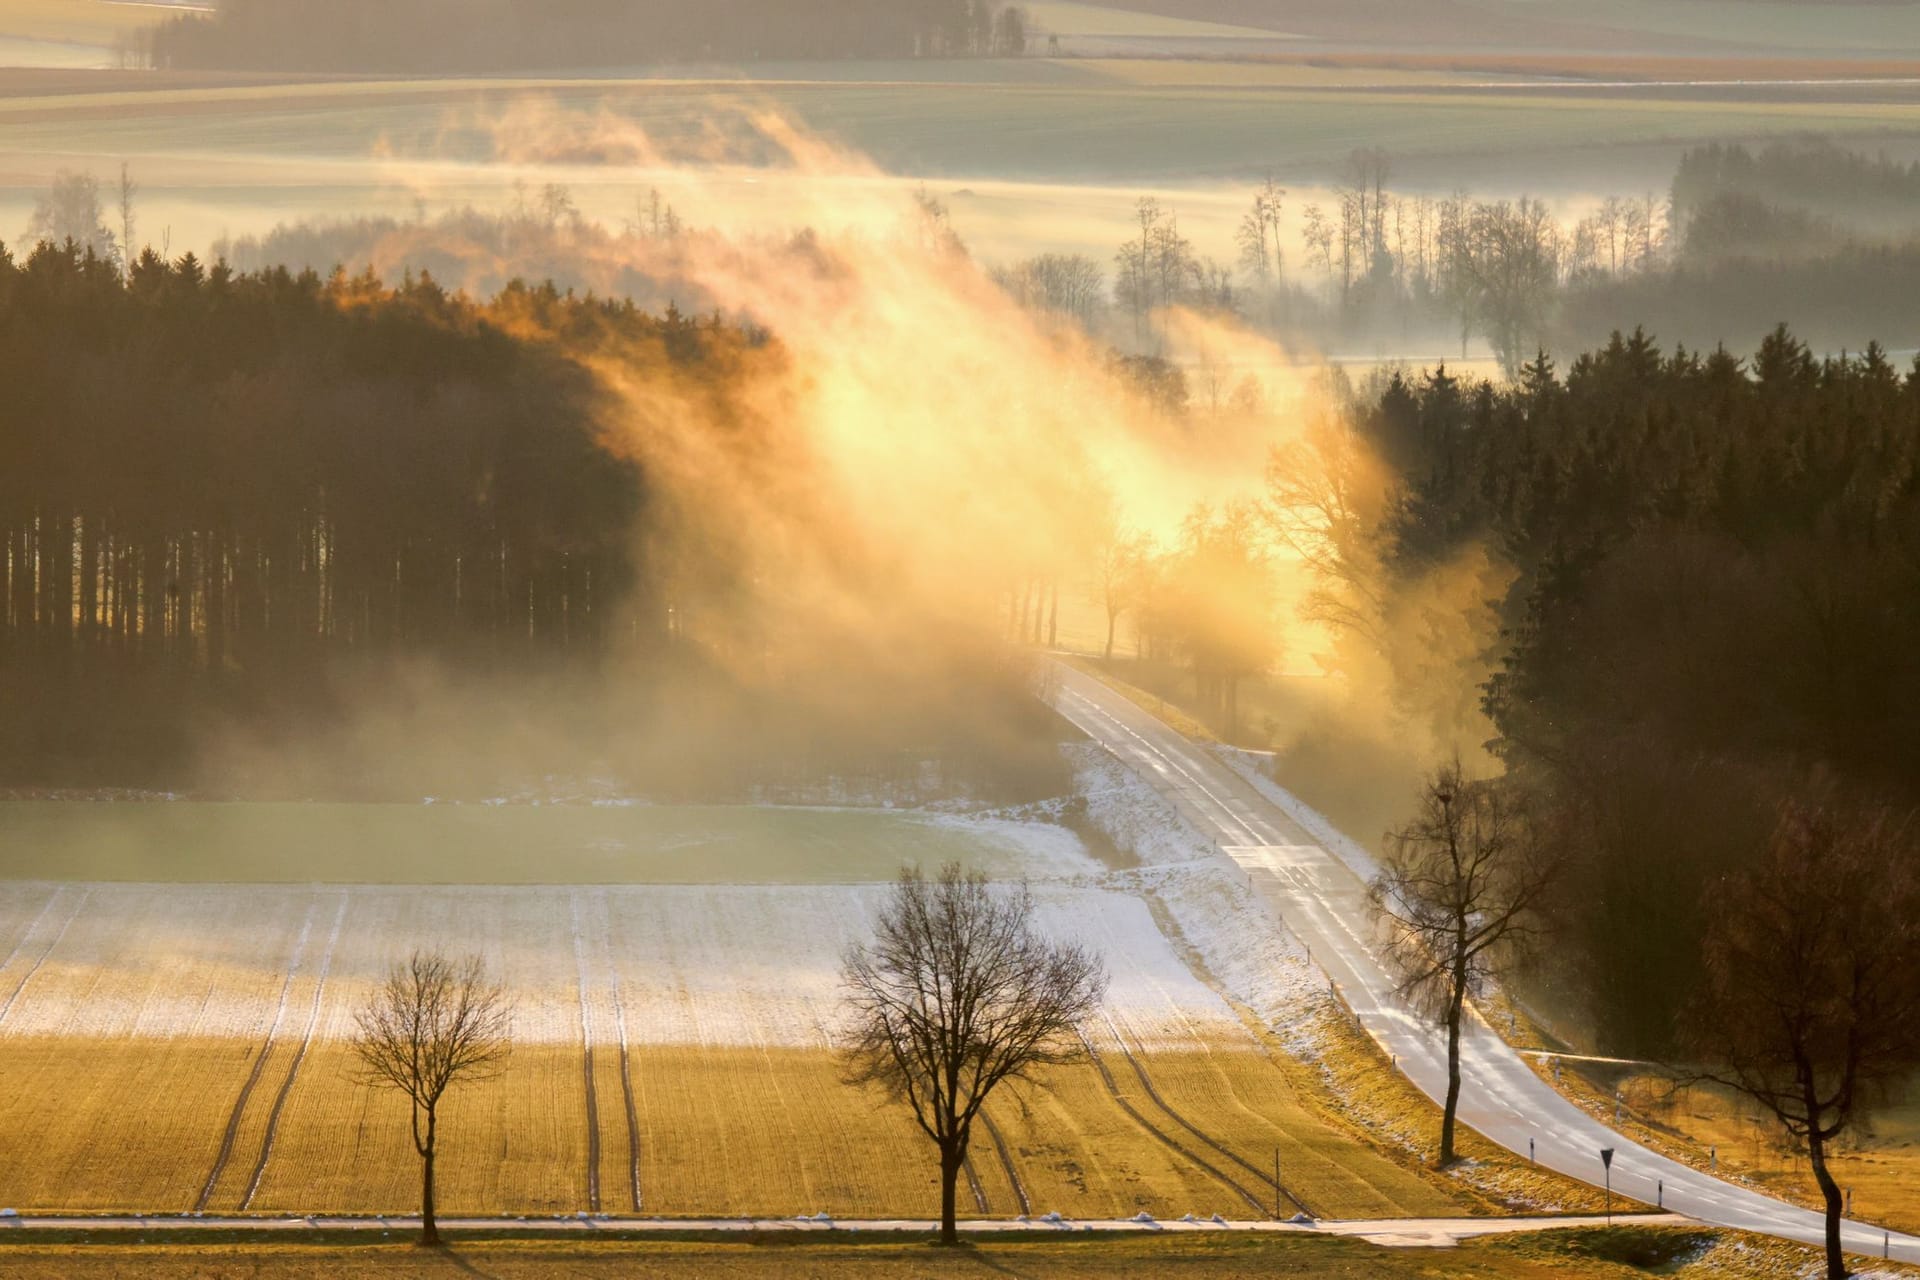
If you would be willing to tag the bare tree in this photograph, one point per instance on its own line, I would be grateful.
(957, 993)
(1123, 555)
(1133, 266)
(557, 207)
(1460, 887)
(435, 1022)
(1329, 499)
(1811, 1002)
(1224, 586)
(1319, 234)
(1259, 234)
(1064, 284)
(1508, 266)
(70, 210)
(127, 191)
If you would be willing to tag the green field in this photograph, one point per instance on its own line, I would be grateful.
(263, 842)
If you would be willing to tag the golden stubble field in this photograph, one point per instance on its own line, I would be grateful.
(92, 1126)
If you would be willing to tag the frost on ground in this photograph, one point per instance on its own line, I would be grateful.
(739, 965)
(1204, 897)
(711, 964)
(1233, 937)
(1130, 813)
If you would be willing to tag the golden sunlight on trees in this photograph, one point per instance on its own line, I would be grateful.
(1224, 607)
(1459, 890)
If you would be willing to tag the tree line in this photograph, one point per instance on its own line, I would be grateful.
(1703, 701)
(247, 503)
(383, 36)
(1739, 241)
(1809, 1003)
(1716, 566)
(215, 487)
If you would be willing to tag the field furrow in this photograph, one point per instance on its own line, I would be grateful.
(267, 1120)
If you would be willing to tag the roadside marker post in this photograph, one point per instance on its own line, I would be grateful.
(1606, 1160)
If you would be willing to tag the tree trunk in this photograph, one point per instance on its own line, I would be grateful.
(1112, 619)
(1453, 1071)
(1830, 1192)
(950, 1162)
(429, 1230)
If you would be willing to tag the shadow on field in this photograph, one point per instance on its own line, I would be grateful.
(461, 1264)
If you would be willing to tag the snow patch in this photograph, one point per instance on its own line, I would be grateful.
(1121, 804)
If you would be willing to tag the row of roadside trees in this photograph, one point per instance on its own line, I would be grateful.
(1810, 1008)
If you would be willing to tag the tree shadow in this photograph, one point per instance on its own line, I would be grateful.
(461, 1264)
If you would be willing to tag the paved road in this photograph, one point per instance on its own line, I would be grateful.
(1323, 902)
(1430, 1232)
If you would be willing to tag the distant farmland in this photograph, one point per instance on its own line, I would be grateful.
(1032, 155)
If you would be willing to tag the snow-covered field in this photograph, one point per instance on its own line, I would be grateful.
(741, 964)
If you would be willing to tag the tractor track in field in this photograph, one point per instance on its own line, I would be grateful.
(259, 1067)
(586, 1051)
(32, 924)
(27, 977)
(973, 1185)
(1166, 1139)
(626, 1093)
(1006, 1162)
(299, 1056)
(1146, 1082)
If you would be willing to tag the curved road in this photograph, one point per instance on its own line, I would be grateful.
(1323, 901)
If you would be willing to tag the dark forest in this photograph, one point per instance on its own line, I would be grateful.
(1717, 607)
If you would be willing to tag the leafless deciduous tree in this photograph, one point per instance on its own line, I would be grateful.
(958, 992)
(128, 189)
(70, 210)
(1119, 573)
(1811, 1001)
(1460, 887)
(1259, 234)
(435, 1022)
(1065, 284)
